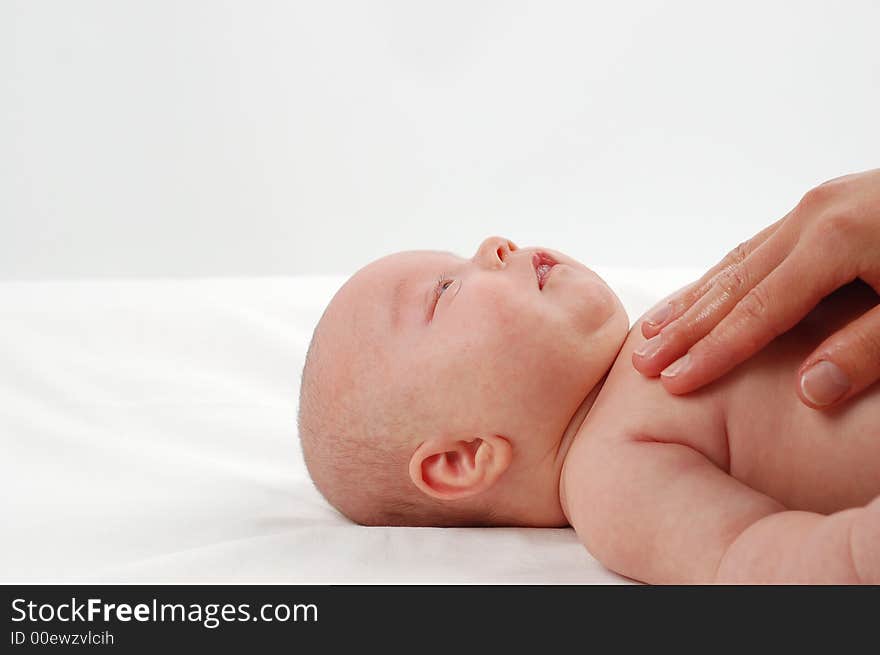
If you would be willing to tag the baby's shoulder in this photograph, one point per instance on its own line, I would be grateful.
(632, 406)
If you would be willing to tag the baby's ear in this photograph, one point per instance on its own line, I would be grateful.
(450, 469)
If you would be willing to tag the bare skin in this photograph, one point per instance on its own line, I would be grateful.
(737, 482)
(524, 400)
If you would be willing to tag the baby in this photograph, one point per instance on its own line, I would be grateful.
(499, 390)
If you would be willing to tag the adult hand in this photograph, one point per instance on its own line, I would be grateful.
(766, 285)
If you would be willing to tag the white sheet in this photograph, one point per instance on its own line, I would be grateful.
(148, 435)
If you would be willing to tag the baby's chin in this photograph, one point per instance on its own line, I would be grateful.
(595, 307)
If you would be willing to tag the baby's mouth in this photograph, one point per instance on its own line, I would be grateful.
(542, 264)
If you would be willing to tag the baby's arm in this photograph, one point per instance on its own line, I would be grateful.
(804, 547)
(664, 513)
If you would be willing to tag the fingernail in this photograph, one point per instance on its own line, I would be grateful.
(824, 382)
(650, 346)
(658, 315)
(678, 366)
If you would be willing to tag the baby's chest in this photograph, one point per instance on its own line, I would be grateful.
(821, 461)
(752, 425)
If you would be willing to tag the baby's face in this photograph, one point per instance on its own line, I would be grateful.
(478, 343)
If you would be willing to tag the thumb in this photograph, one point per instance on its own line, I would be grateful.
(844, 364)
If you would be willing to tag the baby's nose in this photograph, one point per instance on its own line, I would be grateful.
(496, 249)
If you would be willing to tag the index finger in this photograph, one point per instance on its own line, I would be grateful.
(678, 303)
(770, 308)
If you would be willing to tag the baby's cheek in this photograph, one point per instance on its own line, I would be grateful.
(597, 306)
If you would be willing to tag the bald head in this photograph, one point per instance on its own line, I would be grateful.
(359, 422)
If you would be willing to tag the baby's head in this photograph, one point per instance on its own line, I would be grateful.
(437, 389)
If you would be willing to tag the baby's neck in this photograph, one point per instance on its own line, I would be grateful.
(578, 419)
(574, 426)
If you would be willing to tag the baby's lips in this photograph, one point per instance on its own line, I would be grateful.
(542, 263)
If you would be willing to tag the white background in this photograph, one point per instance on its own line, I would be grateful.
(169, 138)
